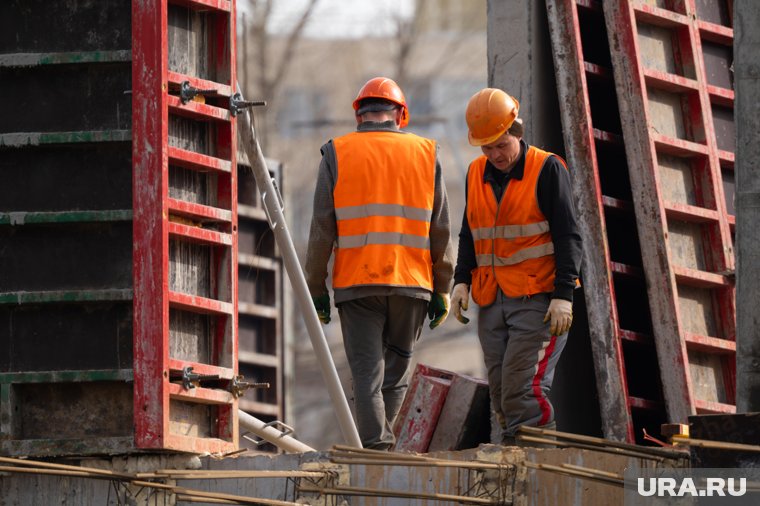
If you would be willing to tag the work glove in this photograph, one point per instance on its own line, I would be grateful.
(322, 305)
(561, 315)
(438, 309)
(460, 301)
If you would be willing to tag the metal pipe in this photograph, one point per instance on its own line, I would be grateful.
(274, 436)
(271, 202)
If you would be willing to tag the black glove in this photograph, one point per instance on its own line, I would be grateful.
(322, 305)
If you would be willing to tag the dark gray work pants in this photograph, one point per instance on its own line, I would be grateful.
(379, 334)
(520, 355)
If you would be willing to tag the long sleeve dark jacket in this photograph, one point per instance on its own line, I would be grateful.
(555, 199)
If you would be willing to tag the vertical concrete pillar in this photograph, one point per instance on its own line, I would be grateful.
(747, 118)
(520, 63)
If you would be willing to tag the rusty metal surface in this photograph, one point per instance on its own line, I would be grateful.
(665, 96)
(581, 149)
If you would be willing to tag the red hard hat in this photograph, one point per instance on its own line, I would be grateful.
(387, 89)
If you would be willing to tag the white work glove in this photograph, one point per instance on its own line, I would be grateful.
(561, 315)
(460, 301)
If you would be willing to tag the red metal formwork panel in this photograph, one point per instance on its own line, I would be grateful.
(185, 225)
(678, 130)
(416, 423)
(628, 381)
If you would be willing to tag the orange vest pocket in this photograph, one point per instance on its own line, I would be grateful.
(483, 286)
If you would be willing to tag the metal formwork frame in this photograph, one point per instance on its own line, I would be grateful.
(160, 221)
(666, 104)
(602, 187)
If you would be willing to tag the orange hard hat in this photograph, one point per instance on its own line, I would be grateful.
(387, 89)
(489, 115)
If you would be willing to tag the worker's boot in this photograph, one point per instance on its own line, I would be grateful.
(529, 444)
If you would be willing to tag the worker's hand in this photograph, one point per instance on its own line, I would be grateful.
(561, 315)
(460, 301)
(322, 305)
(438, 309)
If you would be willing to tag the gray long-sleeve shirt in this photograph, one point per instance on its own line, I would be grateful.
(324, 232)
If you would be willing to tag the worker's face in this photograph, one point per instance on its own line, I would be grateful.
(503, 152)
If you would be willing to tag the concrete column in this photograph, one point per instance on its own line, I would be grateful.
(747, 119)
(520, 63)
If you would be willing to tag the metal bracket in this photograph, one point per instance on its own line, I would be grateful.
(238, 386)
(286, 430)
(237, 104)
(187, 92)
(190, 379)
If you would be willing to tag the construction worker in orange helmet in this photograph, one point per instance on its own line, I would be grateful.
(380, 204)
(519, 254)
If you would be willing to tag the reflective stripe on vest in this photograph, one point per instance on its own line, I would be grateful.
(383, 199)
(513, 245)
(413, 213)
(521, 256)
(510, 231)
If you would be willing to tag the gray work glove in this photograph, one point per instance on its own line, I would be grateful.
(560, 314)
(460, 301)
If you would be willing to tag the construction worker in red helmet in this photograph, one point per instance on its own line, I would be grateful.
(519, 255)
(380, 204)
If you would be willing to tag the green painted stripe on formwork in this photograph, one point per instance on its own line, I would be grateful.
(67, 376)
(58, 447)
(36, 59)
(112, 295)
(34, 218)
(21, 139)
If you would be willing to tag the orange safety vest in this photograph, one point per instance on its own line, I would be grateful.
(513, 245)
(383, 205)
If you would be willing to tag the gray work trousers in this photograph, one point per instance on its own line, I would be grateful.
(379, 334)
(520, 355)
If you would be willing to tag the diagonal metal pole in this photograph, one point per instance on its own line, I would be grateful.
(273, 208)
